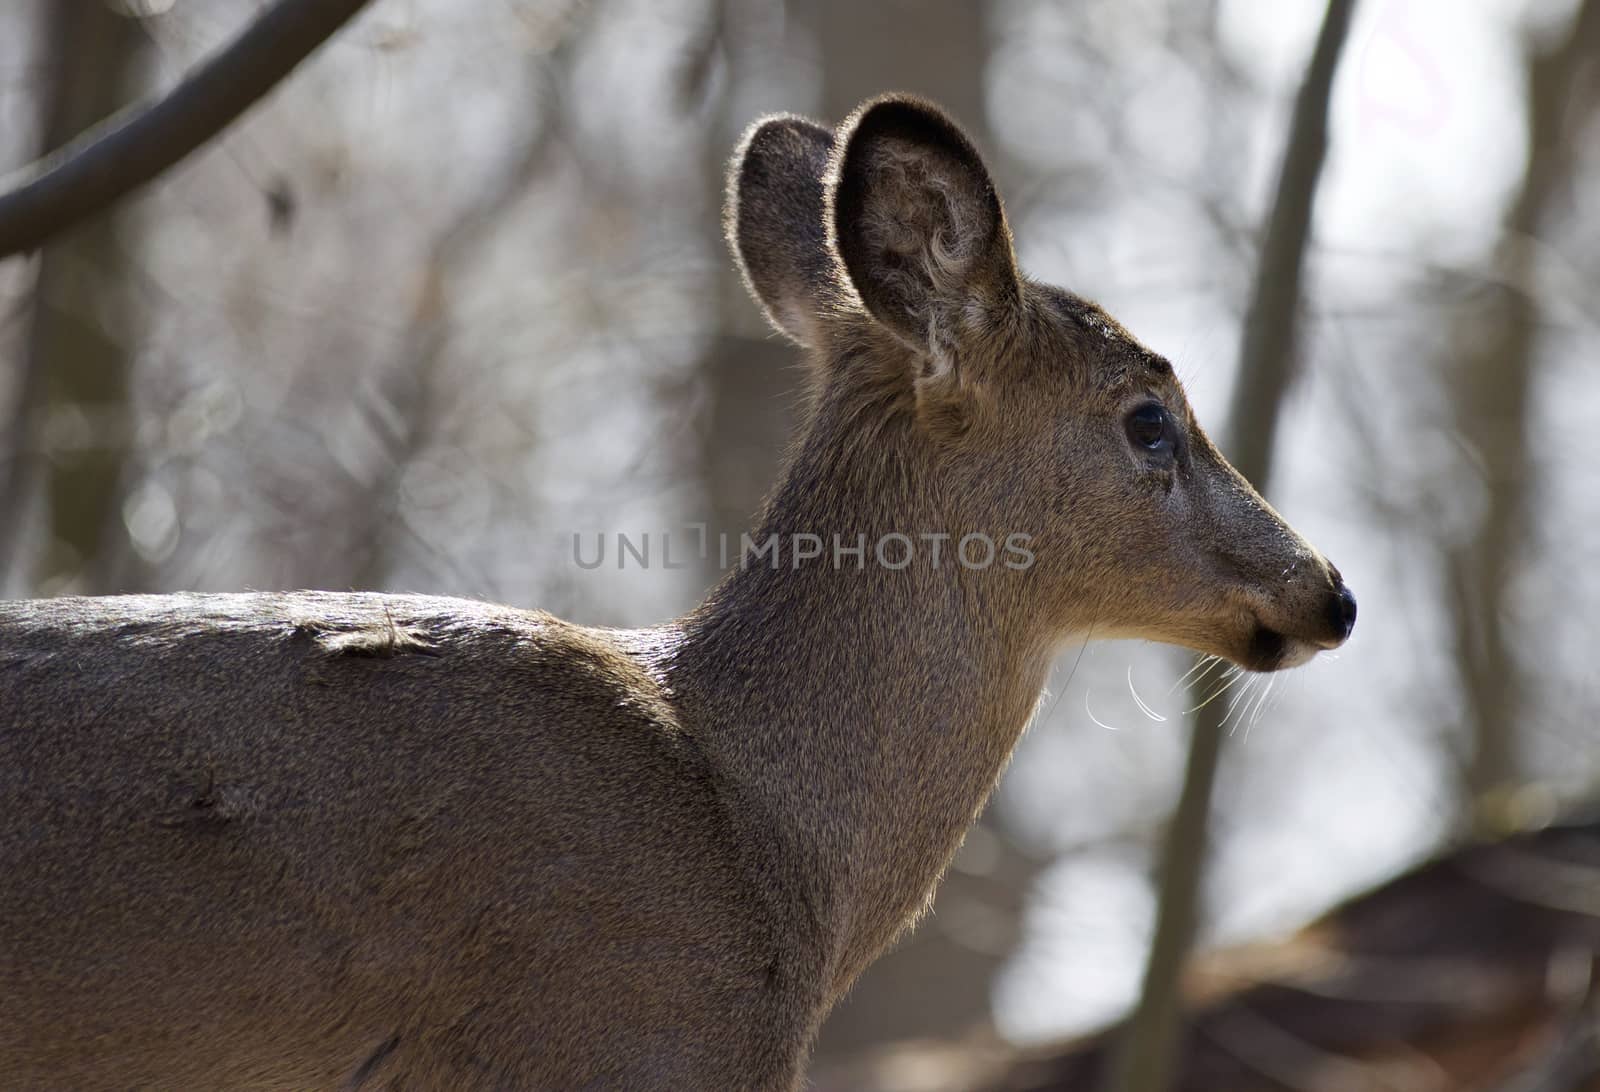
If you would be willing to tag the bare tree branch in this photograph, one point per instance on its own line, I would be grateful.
(112, 160)
(1266, 357)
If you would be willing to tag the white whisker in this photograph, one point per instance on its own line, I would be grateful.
(1140, 702)
(1092, 717)
(1245, 692)
(1203, 665)
(1231, 676)
(1249, 695)
(1261, 707)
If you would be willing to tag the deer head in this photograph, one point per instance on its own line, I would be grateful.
(884, 249)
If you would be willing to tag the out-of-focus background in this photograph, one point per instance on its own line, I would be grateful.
(457, 292)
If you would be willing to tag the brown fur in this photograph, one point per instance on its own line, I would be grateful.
(322, 840)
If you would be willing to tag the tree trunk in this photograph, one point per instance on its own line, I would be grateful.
(938, 981)
(77, 411)
(1143, 1062)
(1491, 370)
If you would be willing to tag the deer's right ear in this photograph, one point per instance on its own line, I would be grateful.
(773, 218)
(919, 227)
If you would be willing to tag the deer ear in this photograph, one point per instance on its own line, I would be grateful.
(774, 223)
(919, 226)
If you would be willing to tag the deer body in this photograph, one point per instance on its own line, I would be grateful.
(322, 840)
(458, 844)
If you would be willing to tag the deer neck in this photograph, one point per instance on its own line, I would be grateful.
(865, 711)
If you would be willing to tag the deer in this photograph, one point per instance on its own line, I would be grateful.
(358, 840)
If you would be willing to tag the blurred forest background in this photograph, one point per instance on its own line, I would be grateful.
(457, 291)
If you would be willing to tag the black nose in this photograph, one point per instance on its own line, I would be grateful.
(1344, 611)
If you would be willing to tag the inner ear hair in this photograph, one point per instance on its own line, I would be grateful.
(917, 223)
(773, 217)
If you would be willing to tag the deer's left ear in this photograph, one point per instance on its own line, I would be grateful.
(919, 227)
(774, 221)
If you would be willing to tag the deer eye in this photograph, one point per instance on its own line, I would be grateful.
(1151, 427)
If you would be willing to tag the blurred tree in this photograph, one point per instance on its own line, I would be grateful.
(1143, 1061)
(748, 373)
(939, 979)
(75, 409)
(17, 467)
(1469, 972)
(1490, 370)
(748, 379)
(404, 408)
(934, 48)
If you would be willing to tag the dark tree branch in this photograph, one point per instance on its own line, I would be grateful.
(112, 160)
(1143, 1061)
(1267, 356)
